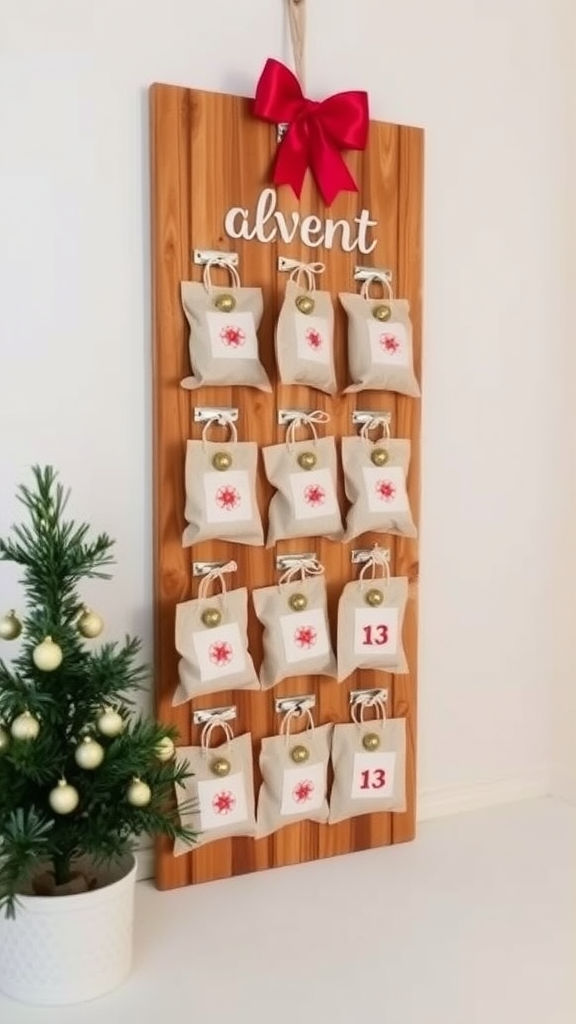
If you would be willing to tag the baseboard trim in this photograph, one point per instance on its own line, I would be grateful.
(458, 800)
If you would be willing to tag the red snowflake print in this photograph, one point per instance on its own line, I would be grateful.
(385, 490)
(224, 802)
(390, 343)
(220, 653)
(303, 791)
(228, 498)
(314, 339)
(233, 337)
(314, 495)
(305, 636)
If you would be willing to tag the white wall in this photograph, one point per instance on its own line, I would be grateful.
(484, 79)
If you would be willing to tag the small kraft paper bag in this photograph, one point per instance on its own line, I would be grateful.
(294, 775)
(212, 640)
(304, 474)
(380, 356)
(220, 483)
(375, 482)
(218, 800)
(294, 614)
(305, 333)
(223, 342)
(369, 762)
(370, 620)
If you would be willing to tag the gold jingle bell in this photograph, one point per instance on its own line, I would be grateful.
(305, 304)
(222, 460)
(225, 303)
(374, 598)
(307, 460)
(299, 754)
(379, 457)
(382, 313)
(211, 617)
(298, 602)
(370, 741)
(220, 767)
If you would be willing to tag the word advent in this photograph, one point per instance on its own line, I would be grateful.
(267, 224)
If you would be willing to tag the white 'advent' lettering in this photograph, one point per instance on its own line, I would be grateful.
(267, 224)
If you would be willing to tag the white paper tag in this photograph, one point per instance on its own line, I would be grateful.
(313, 494)
(304, 635)
(373, 775)
(222, 802)
(375, 632)
(228, 497)
(220, 651)
(303, 789)
(388, 343)
(385, 489)
(312, 338)
(232, 335)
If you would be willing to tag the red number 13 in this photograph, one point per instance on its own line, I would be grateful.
(374, 779)
(375, 635)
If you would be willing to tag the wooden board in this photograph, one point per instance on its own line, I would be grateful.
(209, 154)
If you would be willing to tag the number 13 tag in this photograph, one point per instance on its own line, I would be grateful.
(375, 632)
(373, 776)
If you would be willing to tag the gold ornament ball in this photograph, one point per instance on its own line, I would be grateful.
(382, 313)
(374, 598)
(63, 799)
(370, 741)
(299, 754)
(305, 304)
(222, 461)
(220, 767)
(89, 755)
(298, 602)
(25, 727)
(110, 723)
(47, 656)
(90, 625)
(211, 617)
(307, 460)
(139, 793)
(10, 626)
(165, 749)
(4, 739)
(379, 457)
(225, 303)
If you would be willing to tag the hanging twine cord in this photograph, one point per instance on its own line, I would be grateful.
(207, 732)
(302, 568)
(309, 270)
(379, 557)
(221, 419)
(297, 23)
(381, 279)
(226, 264)
(289, 718)
(305, 419)
(373, 424)
(369, 701)
(218, 573)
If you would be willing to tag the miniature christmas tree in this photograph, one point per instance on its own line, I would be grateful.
(80, 773)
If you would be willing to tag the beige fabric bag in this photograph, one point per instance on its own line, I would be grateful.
(294, 776)
(223, 343)
(218, 801)
(370, 621)
(305, 333)
(304, 474)
(220, 479)
(380, 356)
(375, 483)
(212, 641)
(296, 636)
(369, 761)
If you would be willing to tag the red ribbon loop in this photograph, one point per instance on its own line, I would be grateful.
(316, 134)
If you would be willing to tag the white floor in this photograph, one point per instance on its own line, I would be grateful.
(474, 923)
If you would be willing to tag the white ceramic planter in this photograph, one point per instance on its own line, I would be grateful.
(67, 949)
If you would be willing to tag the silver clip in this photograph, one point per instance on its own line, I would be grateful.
(286, 416)
(203, 568)
(204, 256)
(372, 273)
(367, 696)
(365, 415)
(285, 263)
(223, 414)
(360, 555)
(299, 704)
(284, 562)
(227, 714)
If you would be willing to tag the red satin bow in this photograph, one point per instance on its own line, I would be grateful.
(316, 134)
